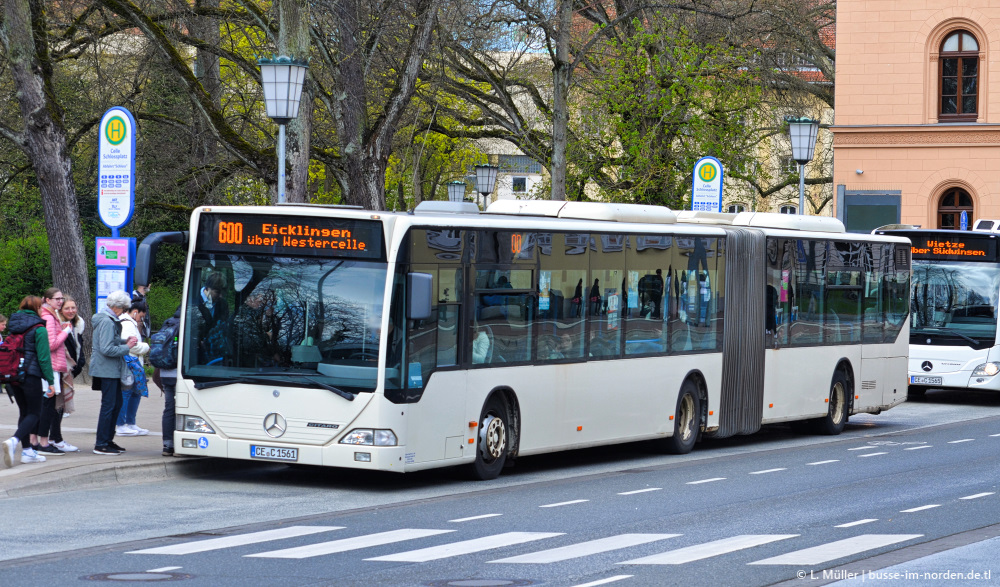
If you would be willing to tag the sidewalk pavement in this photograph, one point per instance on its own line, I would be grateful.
(142, 462)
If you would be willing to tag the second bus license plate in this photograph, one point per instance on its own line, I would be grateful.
(922, 380)
(274, 453)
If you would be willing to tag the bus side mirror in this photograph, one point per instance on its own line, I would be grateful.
(418, 292)
(145, 258)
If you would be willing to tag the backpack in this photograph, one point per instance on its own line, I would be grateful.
(138, 376)
(163, 345)
(12, 359)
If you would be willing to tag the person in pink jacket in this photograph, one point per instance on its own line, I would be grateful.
(50, 421)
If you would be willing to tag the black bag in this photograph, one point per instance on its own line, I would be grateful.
(163, 345)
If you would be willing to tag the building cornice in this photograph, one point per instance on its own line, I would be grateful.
(916, 135)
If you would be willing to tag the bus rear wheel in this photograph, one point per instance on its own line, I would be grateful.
(836, 414)
(687, 421)
(494, 439)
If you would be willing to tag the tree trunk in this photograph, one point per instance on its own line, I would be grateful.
(44, 142)
(560, 100)
(204, 145)
(293, 41)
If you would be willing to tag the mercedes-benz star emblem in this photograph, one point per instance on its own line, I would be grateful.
(926, 366)
(274, 424)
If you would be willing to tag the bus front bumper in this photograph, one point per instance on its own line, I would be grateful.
(379, 458)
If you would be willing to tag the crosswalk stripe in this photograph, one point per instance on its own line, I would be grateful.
(708, 549)
(238, 540)
(834, 550)
(355, 543)
(604, 581)
(465, 547)
(977, 496)
(582, 549)
(635, 491)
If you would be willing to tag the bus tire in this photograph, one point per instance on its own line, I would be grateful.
(493, 440)
(687, 421)
(836, 414)
(915, 393)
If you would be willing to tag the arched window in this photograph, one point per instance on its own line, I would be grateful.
(789, 210)
(950, 208)
(736, 208)
(959, 77)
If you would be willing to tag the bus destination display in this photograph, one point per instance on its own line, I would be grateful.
(953, 248)
(290, 235)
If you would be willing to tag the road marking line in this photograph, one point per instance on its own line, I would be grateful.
(640, 491)
(470, 518)
(238, 540)
(918, 447)
(465, 547)
(768, 471)
(858, 523)
(977, 496)
(862, 448)
(994, 434)
(920, 509)
(589, 548)
(604, 581)
(708, 549)
(163, 569)
(334, 546)
(960, 441)
(562, 503)
(706, 480)
(824, 462)
(838, 549)
(872, 454)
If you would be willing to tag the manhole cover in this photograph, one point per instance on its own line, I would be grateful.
(480, 583)
(137, 577)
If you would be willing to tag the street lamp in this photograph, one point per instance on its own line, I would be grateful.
(486, 180)
(802, 131)
(282, 78)
(456, 191)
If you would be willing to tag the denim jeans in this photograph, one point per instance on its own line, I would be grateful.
(130, 406)
(169, 387)
(111, 405)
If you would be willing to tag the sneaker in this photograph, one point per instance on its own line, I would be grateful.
(168, 451)
(49, 450)
(106, 450)
(66, 447)
(29, 455)
(116, 447)
(125, 430)
(10, 447)
(138, 431)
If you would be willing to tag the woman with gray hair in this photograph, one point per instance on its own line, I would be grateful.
(106, 367)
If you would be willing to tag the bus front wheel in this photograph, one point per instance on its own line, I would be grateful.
(836, 413)
(687, 421)
(494, 439)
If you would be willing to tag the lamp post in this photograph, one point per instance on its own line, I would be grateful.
(486, 180)
(456, 191)
(282, 78)
(802, 131)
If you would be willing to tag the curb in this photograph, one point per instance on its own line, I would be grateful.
(96, 476)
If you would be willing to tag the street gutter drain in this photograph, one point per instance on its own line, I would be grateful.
(480, 583)
(138, 577)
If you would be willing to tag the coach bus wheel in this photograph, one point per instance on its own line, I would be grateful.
(836, 414)
(687, 421)
(493, 442)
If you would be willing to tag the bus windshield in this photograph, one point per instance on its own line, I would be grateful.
(954, 302)
(307, 321)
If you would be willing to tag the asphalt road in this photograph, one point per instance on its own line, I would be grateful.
(913, 490)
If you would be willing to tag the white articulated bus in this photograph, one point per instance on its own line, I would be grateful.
(953, 325)
(448, 336)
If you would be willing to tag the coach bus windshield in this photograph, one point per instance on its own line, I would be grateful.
(300, 321)
(954, 303)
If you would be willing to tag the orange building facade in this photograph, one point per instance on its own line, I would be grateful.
(917, 122)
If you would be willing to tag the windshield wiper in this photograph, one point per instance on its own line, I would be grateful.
(268, 378)
(954, 333)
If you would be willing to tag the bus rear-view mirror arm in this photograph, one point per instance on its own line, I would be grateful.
(146, 255)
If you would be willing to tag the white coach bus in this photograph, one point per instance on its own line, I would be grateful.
(953, 325)
(448, 336)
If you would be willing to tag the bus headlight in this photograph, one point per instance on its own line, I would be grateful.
(193, 424)
(370, 437)
(987, 370)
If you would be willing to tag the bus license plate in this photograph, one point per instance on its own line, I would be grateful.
(274, 453)
(922, 380)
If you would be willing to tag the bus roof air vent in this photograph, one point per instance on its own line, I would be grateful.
(789, 222)
(699, 217)
(441, 207)
(985, 225)
(609, 212)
